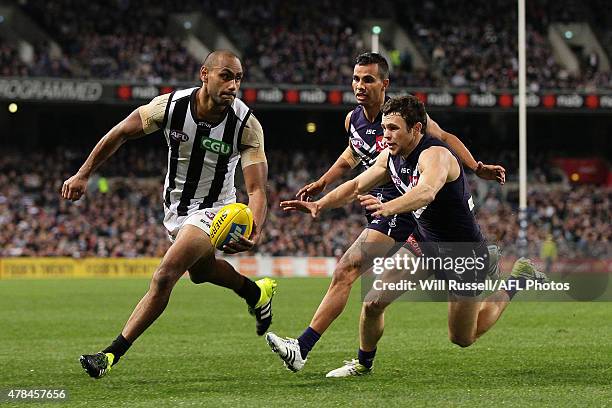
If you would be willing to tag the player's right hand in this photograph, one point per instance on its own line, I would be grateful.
(491, 172)
(311, 190)
(74, 188)
(303, 206)
(243, 244)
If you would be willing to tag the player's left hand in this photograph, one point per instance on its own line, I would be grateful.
(311, 207)
(372, 203)
(491, 172)
(243, 244)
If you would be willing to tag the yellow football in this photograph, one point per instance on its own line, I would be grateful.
(230, 223)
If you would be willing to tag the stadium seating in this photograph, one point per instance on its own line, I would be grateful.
(125, 221)
(469, 45)
(116, 40)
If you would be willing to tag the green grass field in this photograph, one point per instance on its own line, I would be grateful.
(204, 352)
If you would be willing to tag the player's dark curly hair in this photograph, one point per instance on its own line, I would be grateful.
(368, 58)
(410, 108)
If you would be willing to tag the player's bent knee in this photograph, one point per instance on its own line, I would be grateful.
(197, 278)
(345, 274)
(374, 308)
(164, 279)
(202, 270)
(461, 340)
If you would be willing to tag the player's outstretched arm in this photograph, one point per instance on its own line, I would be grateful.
(348, 160)
(129, 128)
(255, 172)
(437, 166)
(484, 171)
(346, 192)
(255, 180)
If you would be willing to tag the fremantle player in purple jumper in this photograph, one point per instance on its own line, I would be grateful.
(432, 186)
(365, 134)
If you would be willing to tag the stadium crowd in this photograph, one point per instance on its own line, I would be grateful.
(115, 40)
(465, 44)
(476, 45)
(122, 212)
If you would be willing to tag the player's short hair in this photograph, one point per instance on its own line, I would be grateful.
(410, 108)
(368, 58)
(214, 56)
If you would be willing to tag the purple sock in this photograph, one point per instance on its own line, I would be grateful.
(514, 285)
(366, 358)
(307, 341)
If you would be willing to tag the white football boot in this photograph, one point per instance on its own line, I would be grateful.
(351, 368)
(288, 350)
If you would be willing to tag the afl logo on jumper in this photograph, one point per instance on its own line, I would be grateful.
(396, 180)
(179, 136)
(357, 143)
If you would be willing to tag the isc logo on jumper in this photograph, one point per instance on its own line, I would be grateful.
(216, 146)
(370, 131)
(179, 136)
(357, 143)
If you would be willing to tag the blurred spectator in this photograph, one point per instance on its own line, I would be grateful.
(548, 253)
(10, 61)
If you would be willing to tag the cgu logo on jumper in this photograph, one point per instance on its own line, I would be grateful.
(216, 146)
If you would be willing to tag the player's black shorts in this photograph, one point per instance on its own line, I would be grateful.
(464, 266)
(399, 226)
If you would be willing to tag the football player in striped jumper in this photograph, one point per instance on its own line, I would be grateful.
(365, 134)
(208, 130)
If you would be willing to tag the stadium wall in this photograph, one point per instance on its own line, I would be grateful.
(283, 96)
(11, 268)
(43, 268)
